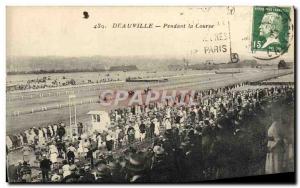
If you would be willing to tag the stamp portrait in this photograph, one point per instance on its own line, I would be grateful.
(270, 29)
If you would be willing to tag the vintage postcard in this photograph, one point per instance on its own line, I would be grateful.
(149, 94)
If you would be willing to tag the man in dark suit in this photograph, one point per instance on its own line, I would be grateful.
(45, 166)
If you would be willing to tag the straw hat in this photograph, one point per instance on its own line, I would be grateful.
(56, 178)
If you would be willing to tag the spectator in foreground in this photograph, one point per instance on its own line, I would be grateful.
(45, 166)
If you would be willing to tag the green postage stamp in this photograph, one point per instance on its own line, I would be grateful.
(270, 29)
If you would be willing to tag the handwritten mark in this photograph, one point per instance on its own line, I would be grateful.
(230, 10)
(86, 15)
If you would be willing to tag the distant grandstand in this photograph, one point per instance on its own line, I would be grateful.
(210, 65)
(175, 67)
(123, 68)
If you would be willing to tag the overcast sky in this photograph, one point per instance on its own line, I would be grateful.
(62, 31)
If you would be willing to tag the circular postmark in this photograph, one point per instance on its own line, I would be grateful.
(272, 32)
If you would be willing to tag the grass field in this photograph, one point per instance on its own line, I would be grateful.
(53, 98)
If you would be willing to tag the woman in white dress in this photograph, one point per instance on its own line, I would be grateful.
(99, 141)
(54, 129)
(45, 133)
(86, 145)
(31, 136)
(137, 134)
(28, 136)
(156, 127)
(80, 149)
(41, 137)
(167, 123)
(275, 155)
(66, 169)
(53, 153)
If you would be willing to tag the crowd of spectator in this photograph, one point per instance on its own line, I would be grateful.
(47, 82)
(227, 134)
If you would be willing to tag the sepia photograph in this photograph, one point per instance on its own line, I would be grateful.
(149, 94)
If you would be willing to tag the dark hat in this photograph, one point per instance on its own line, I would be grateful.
(136, 163)
(190, 133)
(168, 132)
(198, 128)
(102, 169)
(114, 165)
(206, 121)
(159, 150)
